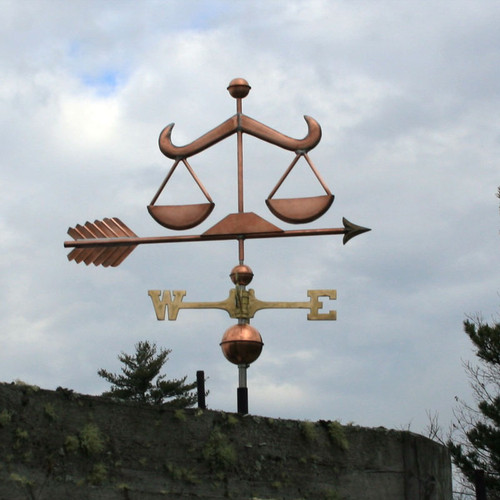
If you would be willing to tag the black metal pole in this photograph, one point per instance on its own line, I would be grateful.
(200, 383)
(243, 400)
(480, 485)
(242, 390)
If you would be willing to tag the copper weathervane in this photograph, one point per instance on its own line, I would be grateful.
(110, 241)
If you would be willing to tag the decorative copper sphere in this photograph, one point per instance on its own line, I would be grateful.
(238, 88)
(241, 275)
(241, 344)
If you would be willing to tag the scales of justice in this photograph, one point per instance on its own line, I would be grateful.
(110, 241)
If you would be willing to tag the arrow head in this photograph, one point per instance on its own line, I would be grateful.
(352, 230)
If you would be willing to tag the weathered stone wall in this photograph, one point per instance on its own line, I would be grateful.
(61, 445)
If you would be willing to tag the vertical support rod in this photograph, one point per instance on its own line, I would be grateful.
(200, 384)
(240, 159)
(241, 208)
(242, 390)
(241, 251)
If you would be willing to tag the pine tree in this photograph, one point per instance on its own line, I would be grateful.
(141, 380)
(475, 445)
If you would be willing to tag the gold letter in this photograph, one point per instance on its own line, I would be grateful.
(166, 302)
(317, 304)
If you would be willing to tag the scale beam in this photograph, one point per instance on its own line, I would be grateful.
(240, 123)
(241, 304)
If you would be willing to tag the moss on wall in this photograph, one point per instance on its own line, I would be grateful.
(58, 444)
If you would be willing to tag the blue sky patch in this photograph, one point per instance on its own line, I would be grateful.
(104, 83)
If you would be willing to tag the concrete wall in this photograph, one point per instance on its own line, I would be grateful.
(61, 445)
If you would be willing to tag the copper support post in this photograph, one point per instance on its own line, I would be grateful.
(240, 159)
(241, 208)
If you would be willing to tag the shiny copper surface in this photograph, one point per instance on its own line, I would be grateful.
(85, 244)
(239, 151)
(304, 209)
(242, 224)
(241, 344)
(185, 216)
(180, 217)
(107, 230)
(241, 123)
(219, 133)
(238, 88)
(241, 275)
(109, 242)
(291, 210)
(300, 210)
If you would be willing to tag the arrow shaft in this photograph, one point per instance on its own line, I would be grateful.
(148, 240)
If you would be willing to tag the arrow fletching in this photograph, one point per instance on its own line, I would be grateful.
(108, 255)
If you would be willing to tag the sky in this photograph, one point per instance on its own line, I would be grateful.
(408, 98)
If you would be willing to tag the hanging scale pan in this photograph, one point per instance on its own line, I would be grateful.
(304, 209)
(180, 217)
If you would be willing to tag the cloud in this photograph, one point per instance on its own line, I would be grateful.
(407, 101)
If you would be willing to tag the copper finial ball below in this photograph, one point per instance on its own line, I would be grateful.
(241, 344)
(239, 88)
(241, 275)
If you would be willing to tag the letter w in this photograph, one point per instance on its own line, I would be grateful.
(166, 302)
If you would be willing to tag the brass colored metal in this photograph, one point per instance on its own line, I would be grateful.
(241, 344)
(240, 304)
(314, 304)
(162, 303)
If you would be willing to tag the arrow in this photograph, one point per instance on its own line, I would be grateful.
(109, 242)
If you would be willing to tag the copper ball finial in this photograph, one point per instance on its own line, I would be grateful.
(241, 275)
(239, 88)
(241, 344)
